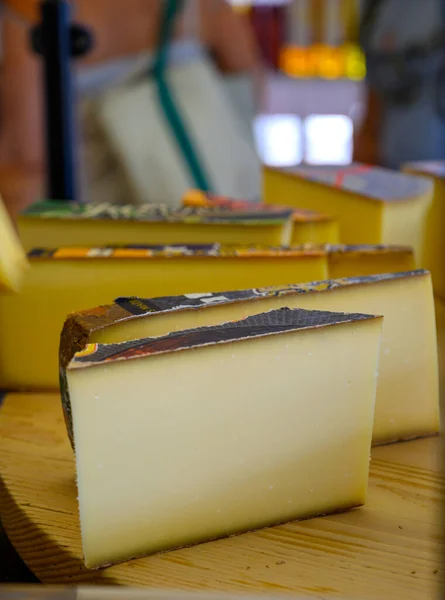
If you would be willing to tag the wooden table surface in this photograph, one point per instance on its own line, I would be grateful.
(390, 548)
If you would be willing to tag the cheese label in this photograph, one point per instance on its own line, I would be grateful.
(366, 248)
(198, 198)
(373, 182)
(429, 167)
(275, 321)
(142, 306)
(245, 214)
(174, 251)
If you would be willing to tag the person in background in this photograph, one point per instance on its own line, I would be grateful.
(122, 29)
(404, 44)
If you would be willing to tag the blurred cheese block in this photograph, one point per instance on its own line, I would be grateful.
(13, 263)
(54, 224)
(70, 279)
(352, 261)
(433, 257)
(407, 396)
(216, 431)
(309, 227)
(372, 205)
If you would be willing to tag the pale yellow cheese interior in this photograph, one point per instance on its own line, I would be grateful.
(407, 403)
(440, 324)
(352, 264)
(244, 435)
(13, 263)
(39, 232)
(30, 323)
(361, 220)
(315, 232)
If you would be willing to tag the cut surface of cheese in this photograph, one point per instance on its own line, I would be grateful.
(407, 404)
(359, 260)
(223, 430)
(13, 263)
(70, 279)
(433, 255)
(372, 205)
(56, 224)
(309, 227)
(440, 325)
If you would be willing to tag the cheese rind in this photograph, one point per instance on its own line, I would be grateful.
(75, 224)
(13, 263)
(229, 452)
(372, 205)
(407, 404)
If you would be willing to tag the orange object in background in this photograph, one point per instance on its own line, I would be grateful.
(326, 62)
(297, 61)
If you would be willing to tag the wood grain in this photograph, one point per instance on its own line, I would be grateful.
(391, 548)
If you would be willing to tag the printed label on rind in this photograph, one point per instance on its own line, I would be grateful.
(174, 251)
(198, 198)
(367, 249)
(373, 182)
(273, 322)
(218, 214)
(142, 306)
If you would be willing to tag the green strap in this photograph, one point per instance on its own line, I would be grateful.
(171, 111)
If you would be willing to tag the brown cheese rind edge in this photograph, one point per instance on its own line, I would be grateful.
(76, 332)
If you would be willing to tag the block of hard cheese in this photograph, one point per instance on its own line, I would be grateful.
(73, 224)
(372, 205)
(407, 403)
(308, 226)
(433, 256)
(13, 263)
(214, 431)
(353, 260)
(69, 279)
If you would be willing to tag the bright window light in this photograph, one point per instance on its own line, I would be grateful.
(328, 139)
(279, 139)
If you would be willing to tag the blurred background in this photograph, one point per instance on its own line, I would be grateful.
(333, 81)
(315, 85)
(312, 78)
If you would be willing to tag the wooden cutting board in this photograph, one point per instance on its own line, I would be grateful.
(391, 548)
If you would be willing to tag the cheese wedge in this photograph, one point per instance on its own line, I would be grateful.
(372, 205)
(69, 279)
(309, 227)
(433, 255)
(13, 263)
(407, 403)
(54, 224)
(222, 430)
